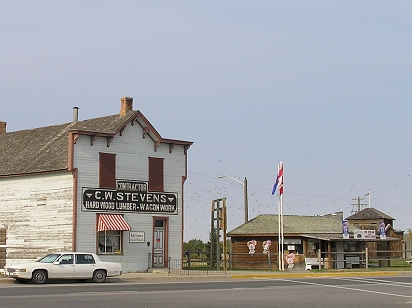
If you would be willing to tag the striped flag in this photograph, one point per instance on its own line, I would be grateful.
(280, 177)
(279, 180)
(274, 186)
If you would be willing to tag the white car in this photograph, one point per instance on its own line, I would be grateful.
(64, 265)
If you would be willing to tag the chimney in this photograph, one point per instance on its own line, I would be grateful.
(126, 105)
(3, 127)
(75, 114)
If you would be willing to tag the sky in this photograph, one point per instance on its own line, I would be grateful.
(324, 86)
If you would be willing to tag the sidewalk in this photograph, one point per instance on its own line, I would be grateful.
(163, 275)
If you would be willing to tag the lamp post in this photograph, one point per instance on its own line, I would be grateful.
(244, 184)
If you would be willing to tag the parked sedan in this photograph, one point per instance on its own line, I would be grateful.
(67, 265)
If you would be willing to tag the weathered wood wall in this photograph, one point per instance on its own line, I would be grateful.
(2, 249)
(241, 258)
(36, 211)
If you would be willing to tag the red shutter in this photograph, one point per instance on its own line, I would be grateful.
(107, 170)
(156, 174)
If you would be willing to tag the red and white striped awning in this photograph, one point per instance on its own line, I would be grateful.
(112, 222)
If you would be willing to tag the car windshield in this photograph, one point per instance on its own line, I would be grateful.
(49, 258)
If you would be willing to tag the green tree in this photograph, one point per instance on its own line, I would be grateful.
(195, 245)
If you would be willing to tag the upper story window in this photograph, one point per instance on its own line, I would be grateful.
(107, 170)
(156, 174)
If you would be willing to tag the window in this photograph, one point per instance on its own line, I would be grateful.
(352, 246)
(84, 259)
(107, 170)
(110, 229)
(156, 174)
(312, 248)
(49, 258)
(110, 241)
(66, 259)
(159, 223)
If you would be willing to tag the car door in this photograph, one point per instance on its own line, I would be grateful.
(85, 265)
(63, 267)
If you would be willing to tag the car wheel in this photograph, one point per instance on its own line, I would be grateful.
(39, 277)
(99, 275)
(20, 280)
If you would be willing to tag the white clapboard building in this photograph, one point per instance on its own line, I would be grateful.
(110, 185)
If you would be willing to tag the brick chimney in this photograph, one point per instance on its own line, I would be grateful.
(3, 127)
(126, 105)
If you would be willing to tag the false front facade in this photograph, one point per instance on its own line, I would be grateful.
(110, 185)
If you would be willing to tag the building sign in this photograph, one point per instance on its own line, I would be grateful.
(136, 237)
(129, 196)
(294, 241)
(364, 234)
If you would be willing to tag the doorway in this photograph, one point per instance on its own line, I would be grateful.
(159, 242)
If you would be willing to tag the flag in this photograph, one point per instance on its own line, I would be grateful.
(275, 185)
(279, 180)
(280, 177)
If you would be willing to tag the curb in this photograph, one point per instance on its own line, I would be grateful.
(317, 275)
(140, 277)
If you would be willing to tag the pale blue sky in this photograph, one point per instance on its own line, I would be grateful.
(324, 86)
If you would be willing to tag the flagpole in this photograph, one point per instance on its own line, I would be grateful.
(279, 181)
(283, 238)
(279, 239)
(369, 195)
(281, 215)
(279, 235)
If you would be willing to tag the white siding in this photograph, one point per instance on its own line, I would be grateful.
(37, 212)
(132, 156)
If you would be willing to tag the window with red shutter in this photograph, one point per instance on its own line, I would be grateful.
(107, 170)
(156, 174)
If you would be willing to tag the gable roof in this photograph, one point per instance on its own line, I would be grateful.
(46, 148)
(369, 213)
(267, 224)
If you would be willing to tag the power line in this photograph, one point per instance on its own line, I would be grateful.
(358, 205)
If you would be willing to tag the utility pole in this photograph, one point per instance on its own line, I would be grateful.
(218, 224)
(245, 197)
(358, 205)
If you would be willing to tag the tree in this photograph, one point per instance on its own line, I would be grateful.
(195, 246)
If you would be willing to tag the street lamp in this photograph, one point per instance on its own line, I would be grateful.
(244, 192)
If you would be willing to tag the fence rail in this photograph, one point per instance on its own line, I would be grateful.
(194, 266)
(364, 259)
(195, 262)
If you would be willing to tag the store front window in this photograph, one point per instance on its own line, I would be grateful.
(110, 242)
(110, 228)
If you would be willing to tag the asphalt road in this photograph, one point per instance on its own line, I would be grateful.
(334, 292)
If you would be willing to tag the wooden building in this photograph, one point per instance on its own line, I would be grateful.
(304, 236)
(111, 185)
(373, 219)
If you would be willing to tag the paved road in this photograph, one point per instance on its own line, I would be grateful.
(389, 291)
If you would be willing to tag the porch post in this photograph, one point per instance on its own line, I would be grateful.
(329, 263)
